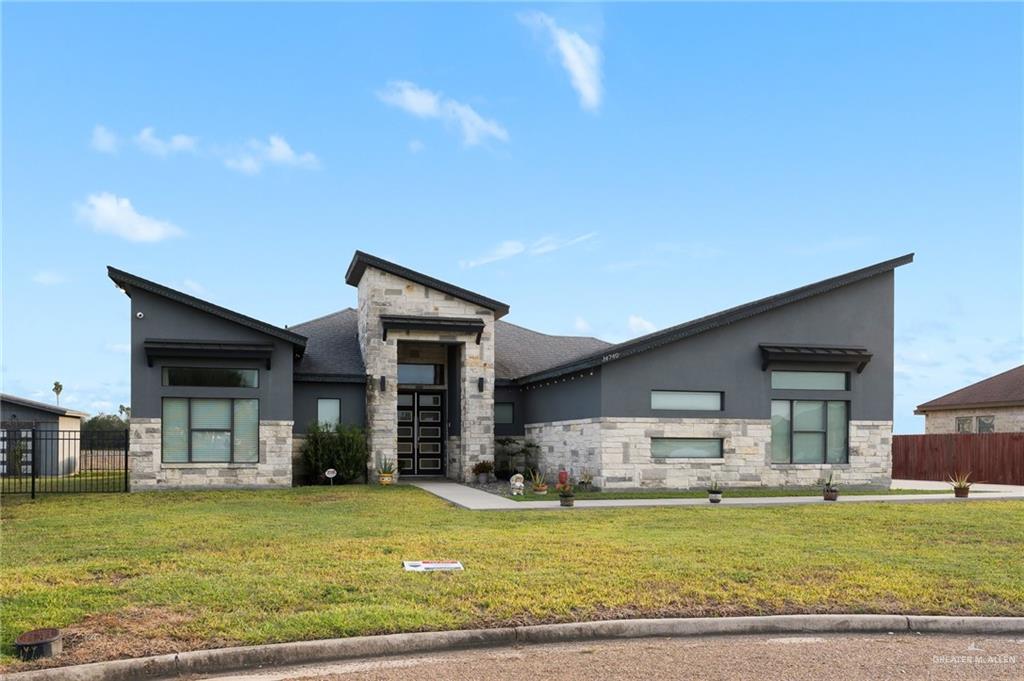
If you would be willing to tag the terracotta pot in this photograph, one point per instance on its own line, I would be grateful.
(961, 492)
(386, 479)
(542, 489)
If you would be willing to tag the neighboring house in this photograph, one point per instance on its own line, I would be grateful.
(57, 435)
(994, 405)
(782, 390)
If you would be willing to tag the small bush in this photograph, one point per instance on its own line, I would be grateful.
(340, 447)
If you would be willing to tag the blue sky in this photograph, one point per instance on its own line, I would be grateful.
(604, 169)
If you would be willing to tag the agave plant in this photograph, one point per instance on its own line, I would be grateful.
(961, 480)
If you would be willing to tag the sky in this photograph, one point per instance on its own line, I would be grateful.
(606, 170)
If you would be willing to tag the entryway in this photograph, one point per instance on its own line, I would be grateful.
(421, 426)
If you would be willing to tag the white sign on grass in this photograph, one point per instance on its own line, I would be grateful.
(431, 565)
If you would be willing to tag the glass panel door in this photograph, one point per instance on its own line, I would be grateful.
(421, 433)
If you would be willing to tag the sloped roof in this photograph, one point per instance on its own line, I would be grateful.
(518, 351)
(126, 281)
(332, 347)
(360, 261)
(1005, 389)
(719, 319)
(41, 406)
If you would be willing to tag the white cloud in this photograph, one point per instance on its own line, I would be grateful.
(194, 287)
(424, 103)
(581, 325)
(151, 144)
(111, 214)
(48, 278)
(638, 324)
(548, 244)
(415, 146)
(506, 249)
(103, 140)
(581, 60)
(274, 151)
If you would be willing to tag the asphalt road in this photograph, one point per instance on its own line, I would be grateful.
(831, 657)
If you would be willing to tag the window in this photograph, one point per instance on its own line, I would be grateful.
(963, 424)
(986, 424)
(211, 378)
(809, 431)
(683, 400)
(328, 412)
(809, 380)
(195, 430)
(422, 374)
(685, 448)
(504, 413)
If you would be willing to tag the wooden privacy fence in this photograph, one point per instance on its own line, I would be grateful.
(989, 457)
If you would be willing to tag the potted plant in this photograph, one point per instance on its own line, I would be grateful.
(482, 470)
(961, 484)
(586, 480)
(566, 496)
(386, 472)
(830, 489)
(714, 492)
(538, 482)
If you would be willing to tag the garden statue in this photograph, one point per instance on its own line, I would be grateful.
(517, 484)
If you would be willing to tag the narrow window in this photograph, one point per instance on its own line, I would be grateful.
(686, 448)
(809, 380)
(781, 426)
(683, 400)
(810, 431)
(208, 377)
(504, 413)
(174, 430)
(963, 424)
(328, 412)
(986, 424)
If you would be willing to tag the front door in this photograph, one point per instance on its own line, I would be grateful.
(421, 432)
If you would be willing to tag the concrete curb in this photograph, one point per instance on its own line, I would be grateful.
(225, 660)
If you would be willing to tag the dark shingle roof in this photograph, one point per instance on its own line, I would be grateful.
(332, 347)
(125, 281)
(1006, 389)
(41, 406)
(714, 321)
(519, 351)
(360, 261)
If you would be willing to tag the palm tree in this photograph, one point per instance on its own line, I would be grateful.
(57, 389)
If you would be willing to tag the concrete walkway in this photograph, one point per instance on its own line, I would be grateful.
(477, 500)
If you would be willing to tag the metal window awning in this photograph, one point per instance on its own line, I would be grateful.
(469, 325)
(822, 354)
(158, 348)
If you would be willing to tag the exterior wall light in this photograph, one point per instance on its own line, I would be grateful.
(383, 383)
(480, 384)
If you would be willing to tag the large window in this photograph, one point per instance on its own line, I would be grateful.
(964, 423)
(986, 424)
(686, 400)
(204, 430)
(422, 374)
(209, 377)
(504, 413)
(809, 431)
(809, 380)
(686, 448)
(328, 412)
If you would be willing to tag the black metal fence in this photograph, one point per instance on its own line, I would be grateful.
(35, 461)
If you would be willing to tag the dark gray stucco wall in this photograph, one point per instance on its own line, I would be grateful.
(9, 411)
(352, 396)
(563, 400)
(504, 393)
(167, 319)
(728, 359)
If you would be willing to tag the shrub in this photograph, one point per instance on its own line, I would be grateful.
(341, 447)
(483, 467)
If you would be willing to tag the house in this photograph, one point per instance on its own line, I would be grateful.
(993, 405)
(779, 391)
(56, 436)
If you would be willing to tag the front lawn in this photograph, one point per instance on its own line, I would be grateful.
(138, 574)
(552, 495)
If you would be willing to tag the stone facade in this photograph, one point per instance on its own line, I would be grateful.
(383, 293)
(617, 452)
(1007, 419)
(148, 472)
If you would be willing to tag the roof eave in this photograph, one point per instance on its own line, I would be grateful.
(923, 409)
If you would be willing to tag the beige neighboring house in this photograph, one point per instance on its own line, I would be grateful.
(994, 405)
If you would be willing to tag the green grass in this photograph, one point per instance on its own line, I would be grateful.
(318, 562)
(552, 494)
